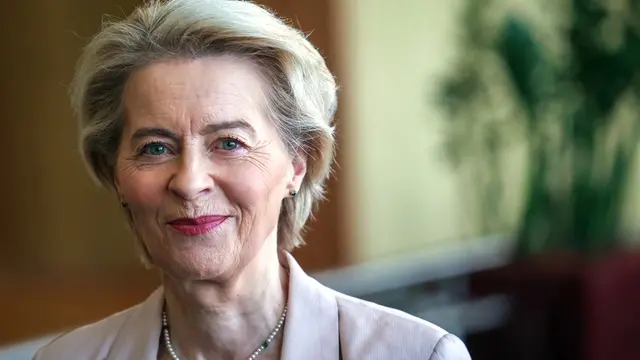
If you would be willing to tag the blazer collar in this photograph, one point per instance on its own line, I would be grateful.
(139, 336)
(310, 332)
(311, 328)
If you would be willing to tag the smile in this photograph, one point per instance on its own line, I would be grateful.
(197, 226)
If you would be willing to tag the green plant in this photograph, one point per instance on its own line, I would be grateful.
(565, 104)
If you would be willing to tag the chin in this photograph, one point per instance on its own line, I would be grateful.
(201, 265)
(214, 256)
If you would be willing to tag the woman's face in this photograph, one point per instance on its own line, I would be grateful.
(201, 167)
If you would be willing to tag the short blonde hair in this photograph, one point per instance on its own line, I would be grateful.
(302, 99)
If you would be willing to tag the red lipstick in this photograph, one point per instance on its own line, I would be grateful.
(197, 226)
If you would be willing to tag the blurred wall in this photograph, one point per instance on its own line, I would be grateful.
(407, 195)
(63, 237)
(56, 219)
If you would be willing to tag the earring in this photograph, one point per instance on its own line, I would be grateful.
(293, 193)
(124, 204)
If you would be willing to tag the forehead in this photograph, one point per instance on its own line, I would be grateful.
(180, 92)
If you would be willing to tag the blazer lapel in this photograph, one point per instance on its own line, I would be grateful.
(311, 329)
(139, 336)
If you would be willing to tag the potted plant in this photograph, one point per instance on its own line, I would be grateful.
(566, 106)
(567, 92)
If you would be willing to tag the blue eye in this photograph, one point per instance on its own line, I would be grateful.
(229, 144)
(155, 149)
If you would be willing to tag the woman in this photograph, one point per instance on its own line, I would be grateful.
(211, 122)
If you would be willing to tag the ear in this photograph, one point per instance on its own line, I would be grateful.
(299, 165)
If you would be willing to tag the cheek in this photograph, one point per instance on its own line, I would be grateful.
(247, 192)
(142, 189)
(255, 188)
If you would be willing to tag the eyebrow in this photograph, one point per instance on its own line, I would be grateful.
(209, 129)
(226, 125)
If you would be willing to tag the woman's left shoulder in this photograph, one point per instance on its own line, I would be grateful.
(366, 327)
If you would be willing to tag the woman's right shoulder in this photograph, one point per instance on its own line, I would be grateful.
(91, 341)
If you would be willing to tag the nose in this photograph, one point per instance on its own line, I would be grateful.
(192, 178)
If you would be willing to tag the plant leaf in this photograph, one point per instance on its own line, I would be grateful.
(523, 60)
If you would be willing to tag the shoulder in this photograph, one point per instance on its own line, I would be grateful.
(369, 330)
(91, 341)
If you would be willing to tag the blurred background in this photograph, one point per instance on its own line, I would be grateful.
(487, 175)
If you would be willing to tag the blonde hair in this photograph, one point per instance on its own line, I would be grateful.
(302, 99)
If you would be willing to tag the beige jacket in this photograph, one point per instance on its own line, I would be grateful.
(321, 324)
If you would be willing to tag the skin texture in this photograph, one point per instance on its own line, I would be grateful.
(196, 141)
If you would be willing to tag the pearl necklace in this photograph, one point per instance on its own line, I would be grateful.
(174, 356)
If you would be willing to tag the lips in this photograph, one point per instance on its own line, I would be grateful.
(197, 226)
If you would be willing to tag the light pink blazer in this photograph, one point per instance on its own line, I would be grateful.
(321, 324)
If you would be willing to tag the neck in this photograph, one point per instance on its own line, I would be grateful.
(231, 319)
